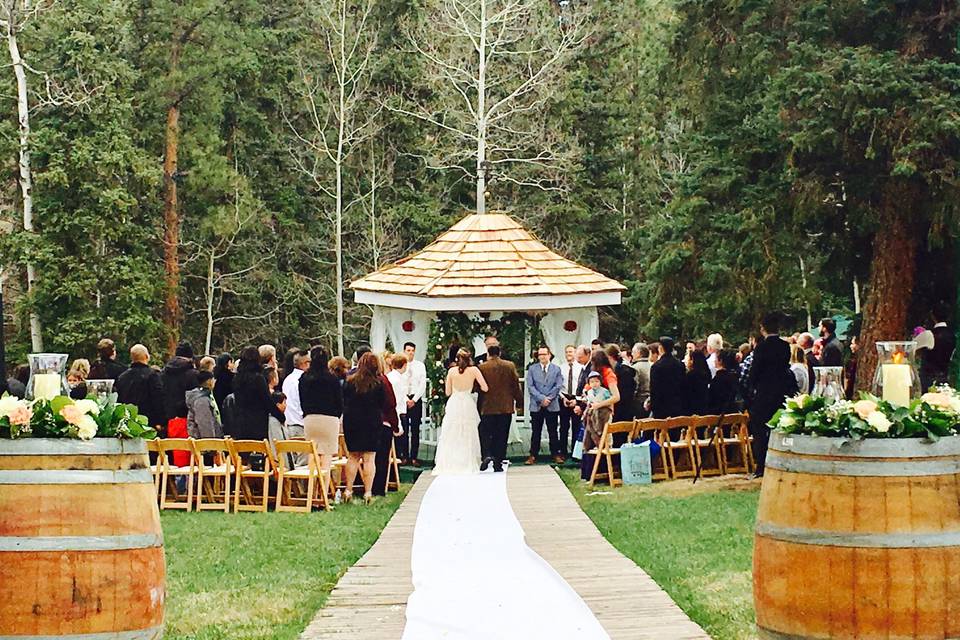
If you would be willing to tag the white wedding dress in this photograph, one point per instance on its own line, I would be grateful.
(458, 447)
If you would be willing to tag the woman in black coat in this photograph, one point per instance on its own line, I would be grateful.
(364, 398)
(725, 385)
(697, 384)
(252, 402)
(223, 378)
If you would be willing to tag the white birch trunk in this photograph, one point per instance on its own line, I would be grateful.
(26, 179)
(482, 111)
(338, 162)
(211, 290)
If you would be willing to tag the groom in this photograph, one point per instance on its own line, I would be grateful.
(497, 406)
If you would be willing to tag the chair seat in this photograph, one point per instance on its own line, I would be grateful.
(299, 472)
(338, 462)
(250, 473)
(181, 470)
(732, 441)
(219, 470)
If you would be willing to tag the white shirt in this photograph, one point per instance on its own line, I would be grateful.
(415, 381)
(565, 371)
(291, 389)
(396, 381)
(712, 363)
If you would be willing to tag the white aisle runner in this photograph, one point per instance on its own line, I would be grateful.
(475, 578)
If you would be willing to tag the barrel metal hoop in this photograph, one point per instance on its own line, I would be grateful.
(152, 633)
(866, 448)
(854, 539)
(81, 543)
(76, 476)
(70, 447)
(862, 468)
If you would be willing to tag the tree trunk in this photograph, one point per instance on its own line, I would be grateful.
(26, 177)
(171, 229)
(211, 290)
(892, 273)
(341, 132)
(481, 112)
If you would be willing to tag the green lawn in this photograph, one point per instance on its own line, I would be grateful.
(696, 541)
(261, 575)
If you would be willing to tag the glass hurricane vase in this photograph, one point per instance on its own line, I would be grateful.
(896, 379)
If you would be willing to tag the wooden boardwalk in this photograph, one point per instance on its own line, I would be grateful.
(369, 601)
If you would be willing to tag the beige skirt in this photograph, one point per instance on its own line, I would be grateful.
(324, 431)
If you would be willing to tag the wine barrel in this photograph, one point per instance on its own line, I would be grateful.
(858, 539)
(81, 549)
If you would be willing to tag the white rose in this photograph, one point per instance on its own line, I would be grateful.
(879, 421)
(955, 404)
(88, 406)
(786, 420)
(7, 405)
(87, 429)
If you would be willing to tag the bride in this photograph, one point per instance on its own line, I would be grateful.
(458, 449)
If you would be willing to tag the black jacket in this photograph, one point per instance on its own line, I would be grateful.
(223, 386)
(936, 362)
(723, 393)
(252, 404)
(321, 394)
(140, 385)
(623, 411)
(582, 380)
(667, 382)
(106, 370)
(771, 377)
(832, 354)
(178, 377)
(696, 396)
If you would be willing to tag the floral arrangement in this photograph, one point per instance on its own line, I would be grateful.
(934, 415)
(63, 417)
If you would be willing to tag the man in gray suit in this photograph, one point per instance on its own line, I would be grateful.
(544, 381)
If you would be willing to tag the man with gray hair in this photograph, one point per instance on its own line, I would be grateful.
(805, 341)
(714, 347)
(293, 422)
(641, 364)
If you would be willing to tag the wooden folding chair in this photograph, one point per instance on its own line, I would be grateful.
(606, 450)
(156, 467)
(680, 451)
(213, 480)
(170, 473)
(705, 434)
(316, 480)
(655, 430)
(393, 469)
(245, 494)
(735, 444)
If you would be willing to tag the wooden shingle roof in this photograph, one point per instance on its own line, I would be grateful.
(489, 255)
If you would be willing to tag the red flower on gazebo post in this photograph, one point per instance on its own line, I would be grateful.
(570, 326)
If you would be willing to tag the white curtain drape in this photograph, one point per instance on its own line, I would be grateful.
(378, 328)
(419, 333)
(557, 337)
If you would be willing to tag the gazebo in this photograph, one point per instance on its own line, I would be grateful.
(485, 263)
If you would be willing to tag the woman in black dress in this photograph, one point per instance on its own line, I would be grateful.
(321, 399)
(364, 397)
(725, 385)
(251, 395)
(697, 384)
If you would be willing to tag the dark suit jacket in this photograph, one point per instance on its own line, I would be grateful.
(582, 381)
(667, 387)
(504, 394)
(832, 355)
(771, 377)
(812, 362)
(627, 386)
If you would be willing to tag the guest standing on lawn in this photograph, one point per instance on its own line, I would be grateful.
(106, 367)
(178, 376)
(223, 373)
(667, 380)
(497, 406)
(140, 386)
(544, 381)
(415, 380)
(364, 400)
(203, 415)
(251, 397)
(601, 409)
(293, 414)
(773, 382)
(321, 399)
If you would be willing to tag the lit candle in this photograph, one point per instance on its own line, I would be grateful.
(46, 386)
(897, 384)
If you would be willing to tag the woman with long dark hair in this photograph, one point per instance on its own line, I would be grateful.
(223, 377)
(458, 448)
(251, 395)
(364, 397)
(321, 398)
(697, 387)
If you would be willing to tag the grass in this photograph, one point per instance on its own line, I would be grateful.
(248, 576)
(695, 541)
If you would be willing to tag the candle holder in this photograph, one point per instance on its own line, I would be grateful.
(828, 383)
(896, 379)
(47, 380)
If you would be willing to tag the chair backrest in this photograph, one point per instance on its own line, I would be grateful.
(215, 445)
(733, 422)
(681, 422)
(153, 445)
(651, 425)
(702, 426)
(296, 446)
(613, 428)
(238, 447)
(167, 445)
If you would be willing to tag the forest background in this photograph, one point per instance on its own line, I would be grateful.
(219, 171)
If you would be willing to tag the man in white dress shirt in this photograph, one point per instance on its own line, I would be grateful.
(408, 444)
(569, 420)
(293, 422)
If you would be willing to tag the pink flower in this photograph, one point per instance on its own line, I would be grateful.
(864, 408)
(936, 399)
(20, 416)
(72, 414)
